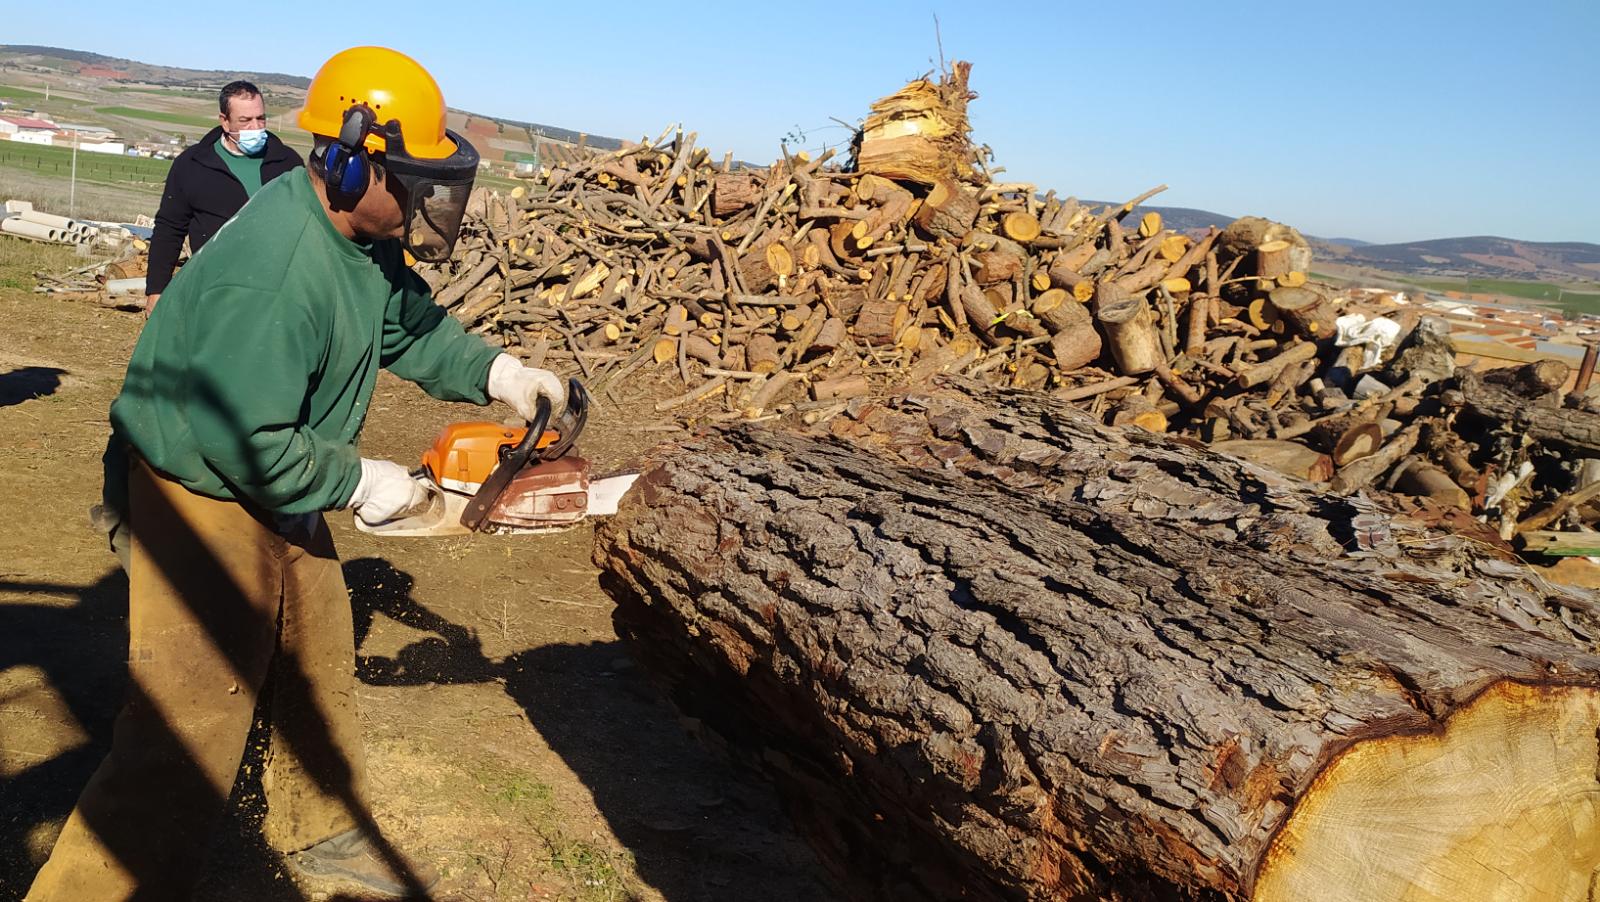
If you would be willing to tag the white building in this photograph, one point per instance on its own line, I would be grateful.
(92, 146)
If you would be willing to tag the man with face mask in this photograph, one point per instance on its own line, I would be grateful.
(210, 181)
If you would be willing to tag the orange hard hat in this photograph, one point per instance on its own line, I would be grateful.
(394, 86)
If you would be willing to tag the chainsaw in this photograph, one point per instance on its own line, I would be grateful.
(489, 478)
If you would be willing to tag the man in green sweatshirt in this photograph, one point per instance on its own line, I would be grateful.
(235, 428)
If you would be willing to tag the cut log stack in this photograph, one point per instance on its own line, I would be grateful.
(823, 274)
(912, 261)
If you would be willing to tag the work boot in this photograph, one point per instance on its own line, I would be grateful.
(352, 862)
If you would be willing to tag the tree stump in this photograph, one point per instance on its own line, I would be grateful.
(992, 650)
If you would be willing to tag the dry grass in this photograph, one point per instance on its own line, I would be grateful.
(105, 202)
(20, 259)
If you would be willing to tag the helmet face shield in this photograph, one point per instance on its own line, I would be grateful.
(436, 193)
(433, 216)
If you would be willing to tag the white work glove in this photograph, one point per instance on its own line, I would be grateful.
(385, 490)
(520, 386)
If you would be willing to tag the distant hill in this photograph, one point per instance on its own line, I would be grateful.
(117, 69)
(1441, 258)
(1182, 219)
(79, 70)
(1479, 256)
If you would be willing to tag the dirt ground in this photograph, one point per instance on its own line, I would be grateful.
(511, 740)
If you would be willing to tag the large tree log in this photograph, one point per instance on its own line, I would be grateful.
(1577, 431)
(995, 651)
(948, 211)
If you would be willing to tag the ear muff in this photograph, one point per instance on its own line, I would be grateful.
(344, 166)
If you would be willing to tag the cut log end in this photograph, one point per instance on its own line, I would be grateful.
(1021, 226)
(1502, 804)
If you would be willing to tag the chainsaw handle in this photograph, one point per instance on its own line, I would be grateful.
(529, 446)
(477, 510)
(570, 424)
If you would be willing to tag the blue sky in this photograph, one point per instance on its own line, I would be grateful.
(1382, 121)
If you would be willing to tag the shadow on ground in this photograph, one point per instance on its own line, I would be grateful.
(28, 382)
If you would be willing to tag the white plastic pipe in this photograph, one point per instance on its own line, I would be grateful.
(49, 219)
(19, 226)
(125, 286)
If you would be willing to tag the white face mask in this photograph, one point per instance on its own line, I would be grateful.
(252, 140)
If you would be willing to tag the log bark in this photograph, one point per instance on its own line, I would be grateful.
(1418, 477)
(733, 192)
(1077, 346)
(1532, 380)
(843, 388)
(1267, 370)
(948, 211)
(996, 259)
(1135, 410)
(761, 354)
(876, 323)
(990, 650)
(1361, 440)
(1068, 269)
(1055, 308)
(1272, 260)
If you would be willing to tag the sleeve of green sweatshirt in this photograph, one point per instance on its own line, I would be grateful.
(427, 346)
(248, 427)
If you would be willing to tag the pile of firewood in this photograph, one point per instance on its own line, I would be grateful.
(805, 282)
(801, 286)
(116, 282)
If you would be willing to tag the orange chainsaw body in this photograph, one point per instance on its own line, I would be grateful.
(464, 454)
(486, 477)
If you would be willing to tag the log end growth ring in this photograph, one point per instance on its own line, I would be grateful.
(1503, 804)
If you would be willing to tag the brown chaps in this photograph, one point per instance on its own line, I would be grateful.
(219, 597)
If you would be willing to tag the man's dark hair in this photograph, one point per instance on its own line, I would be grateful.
(235, 89)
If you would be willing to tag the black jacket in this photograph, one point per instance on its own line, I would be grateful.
(200, 196)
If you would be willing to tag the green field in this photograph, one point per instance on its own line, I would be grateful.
(165, 92)
(10, 93)
(155, 116)
(92, 167)
(1579, 301)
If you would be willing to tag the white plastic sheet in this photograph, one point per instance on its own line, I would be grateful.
(1374, 335)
